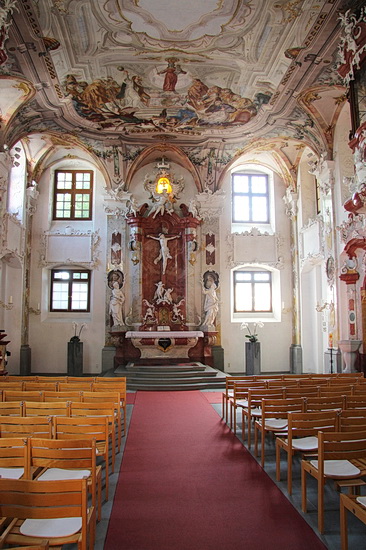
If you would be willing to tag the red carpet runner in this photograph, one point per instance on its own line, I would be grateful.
(186, 483)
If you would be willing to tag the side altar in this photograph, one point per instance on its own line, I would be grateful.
(155, 304)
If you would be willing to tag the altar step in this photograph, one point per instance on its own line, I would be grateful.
(194, 376)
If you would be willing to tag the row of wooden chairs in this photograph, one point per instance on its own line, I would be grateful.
(239, 398)
(286, 380)
(332, 444)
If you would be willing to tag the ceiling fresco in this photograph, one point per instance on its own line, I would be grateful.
(141, 71)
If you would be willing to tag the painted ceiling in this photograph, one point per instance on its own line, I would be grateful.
(138, 71)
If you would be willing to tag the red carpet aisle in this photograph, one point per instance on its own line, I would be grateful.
(187, 484)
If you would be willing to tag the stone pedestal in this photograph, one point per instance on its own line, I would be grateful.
(252, 358)
(25, 360)
(295, 359)
(75, 357)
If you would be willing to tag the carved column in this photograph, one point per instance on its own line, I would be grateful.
(290, 200)
(25, 350)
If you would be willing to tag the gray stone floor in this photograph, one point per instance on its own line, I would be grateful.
(331, 537)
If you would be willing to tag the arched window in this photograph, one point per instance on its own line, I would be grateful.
(252, 199)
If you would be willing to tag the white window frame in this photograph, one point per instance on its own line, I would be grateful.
(272, 316)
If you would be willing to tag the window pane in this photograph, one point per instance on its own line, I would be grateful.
(243, 297)
(63, 205)
(242, 276)
(61, 275)
(260, 276)
(259, 184)
(60, 295)
(259, 209)
(82, 180)
(64, 180)
(262, 297)
(81, 205)
(240, 183)
(79, 298)
(241, 209)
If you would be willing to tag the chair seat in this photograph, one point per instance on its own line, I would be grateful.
(11, 473)
(55, 474)
(242, 403)
(49, 528)
(305, 443)
(338, 468)
(362, 501)
(276, 424)
(256, 412)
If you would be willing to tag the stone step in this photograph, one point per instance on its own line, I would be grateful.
(166, 368)
(168, 375)
(176, 387)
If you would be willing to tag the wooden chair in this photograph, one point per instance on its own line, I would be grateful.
(97, 408)
(53, 459)
(14, 462)
(288, 382)
(87, 427)
(355, 402)
(240, 398)
(229, 393)
(26, 426)
(18, 378)
(354, 504)
(341, 456)
(23, 501)
(107, 397)
(253, 409)
(302, 437)
(62, 395)
(13, 395)
(274, 419)
(46, 408)
(43, 545)
(118, 384)
(11, 408)
(51, 379)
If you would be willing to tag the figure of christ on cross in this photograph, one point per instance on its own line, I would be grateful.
(164, 253)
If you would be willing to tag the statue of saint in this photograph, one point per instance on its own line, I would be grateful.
(117, 298)
(211, 304)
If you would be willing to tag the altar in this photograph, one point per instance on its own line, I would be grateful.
(164, 344)
(163, 302)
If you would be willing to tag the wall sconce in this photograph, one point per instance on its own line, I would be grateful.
(9, 305)
(325, 305)
(35, 311)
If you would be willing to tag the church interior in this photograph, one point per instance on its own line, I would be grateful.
(182, 184)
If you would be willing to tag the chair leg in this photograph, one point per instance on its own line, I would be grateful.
(289, 471)
(321, 482)
(278, 461)
(263, 444)
(343, 525)
(303, 489)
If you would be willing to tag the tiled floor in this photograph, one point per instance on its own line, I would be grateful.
(331, 537)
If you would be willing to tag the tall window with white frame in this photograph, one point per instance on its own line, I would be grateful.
(70, 290)
(252, 291)
(250, 198)
(73, 194)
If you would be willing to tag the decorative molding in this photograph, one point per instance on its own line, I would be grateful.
(254, 248)
(323, 170)
(211, 205)
(70, 233)
(352, 228)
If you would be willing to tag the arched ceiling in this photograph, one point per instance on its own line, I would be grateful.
(119, 73)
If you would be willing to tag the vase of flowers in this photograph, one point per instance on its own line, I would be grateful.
(252, 349)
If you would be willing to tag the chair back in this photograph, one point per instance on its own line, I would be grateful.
(86, 427)
(40, 386)
(14, 454)
(279, 408)
(47, 408)
(23, 395)
(322, 403)
(304, 424)
(11, 408)
(62, 453)
(21, 426)
(62, 396)
(31, 499)
(75, 386)
(352, 420)
(341, 446)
